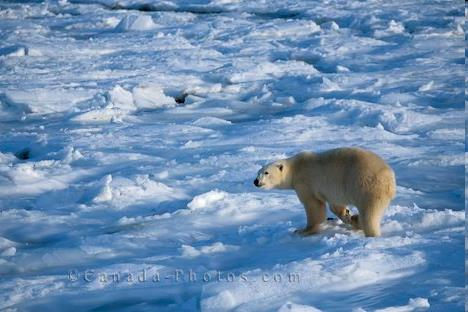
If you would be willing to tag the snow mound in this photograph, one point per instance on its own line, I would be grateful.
(211, 121)
(392, 29)
(232, 207)
(188, 251)
(151, 97)
(7, 248)
(120, 192)
(266, 70)
(414, 218)
(391, 118)
(287, 28)
(105, 193)
(119, 98)
(46, 100)
(120, 102)
(206, 200)
(9, 252)
(332, 25)
(36, 177)
(294, 307)
(13, 51)
(136, 23)
(414, 304)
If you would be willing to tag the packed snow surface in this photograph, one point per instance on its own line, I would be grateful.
(131, 132)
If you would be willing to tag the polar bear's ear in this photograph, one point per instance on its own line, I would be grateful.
(280, 167)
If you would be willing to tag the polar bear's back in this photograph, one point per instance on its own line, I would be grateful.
(353, 158)
(348, 175)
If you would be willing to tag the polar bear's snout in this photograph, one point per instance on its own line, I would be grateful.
(269, 176)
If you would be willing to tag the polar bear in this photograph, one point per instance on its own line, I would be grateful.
(339, 177)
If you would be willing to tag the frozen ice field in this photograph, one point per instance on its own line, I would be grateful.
(131, 132)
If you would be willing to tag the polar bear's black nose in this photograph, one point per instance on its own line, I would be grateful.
(256, 182)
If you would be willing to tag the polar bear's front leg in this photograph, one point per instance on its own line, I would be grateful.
(316, 214)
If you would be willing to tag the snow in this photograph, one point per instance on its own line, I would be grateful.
(413, 304)
(293, 307)
(131, 132)
(136, 22)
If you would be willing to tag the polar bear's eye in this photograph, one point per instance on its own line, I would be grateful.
(266, 172)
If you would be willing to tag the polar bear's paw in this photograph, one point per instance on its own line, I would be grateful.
(306, 231)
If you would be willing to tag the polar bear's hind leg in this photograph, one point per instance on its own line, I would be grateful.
(370, 215)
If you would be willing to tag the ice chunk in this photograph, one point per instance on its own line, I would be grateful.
(136, 23)
(151, 97)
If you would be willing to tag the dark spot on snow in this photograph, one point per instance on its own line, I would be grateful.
(180, 99)
(330, 219)
(202, 9)
(148, 7)
(280, 14)
(24, 154)
(11, 50)
(142, 7)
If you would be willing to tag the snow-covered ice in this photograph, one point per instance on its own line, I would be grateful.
(131, 132)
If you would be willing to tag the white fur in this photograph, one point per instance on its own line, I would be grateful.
(341, 177)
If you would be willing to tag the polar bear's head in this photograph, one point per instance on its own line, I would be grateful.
(274, 175)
